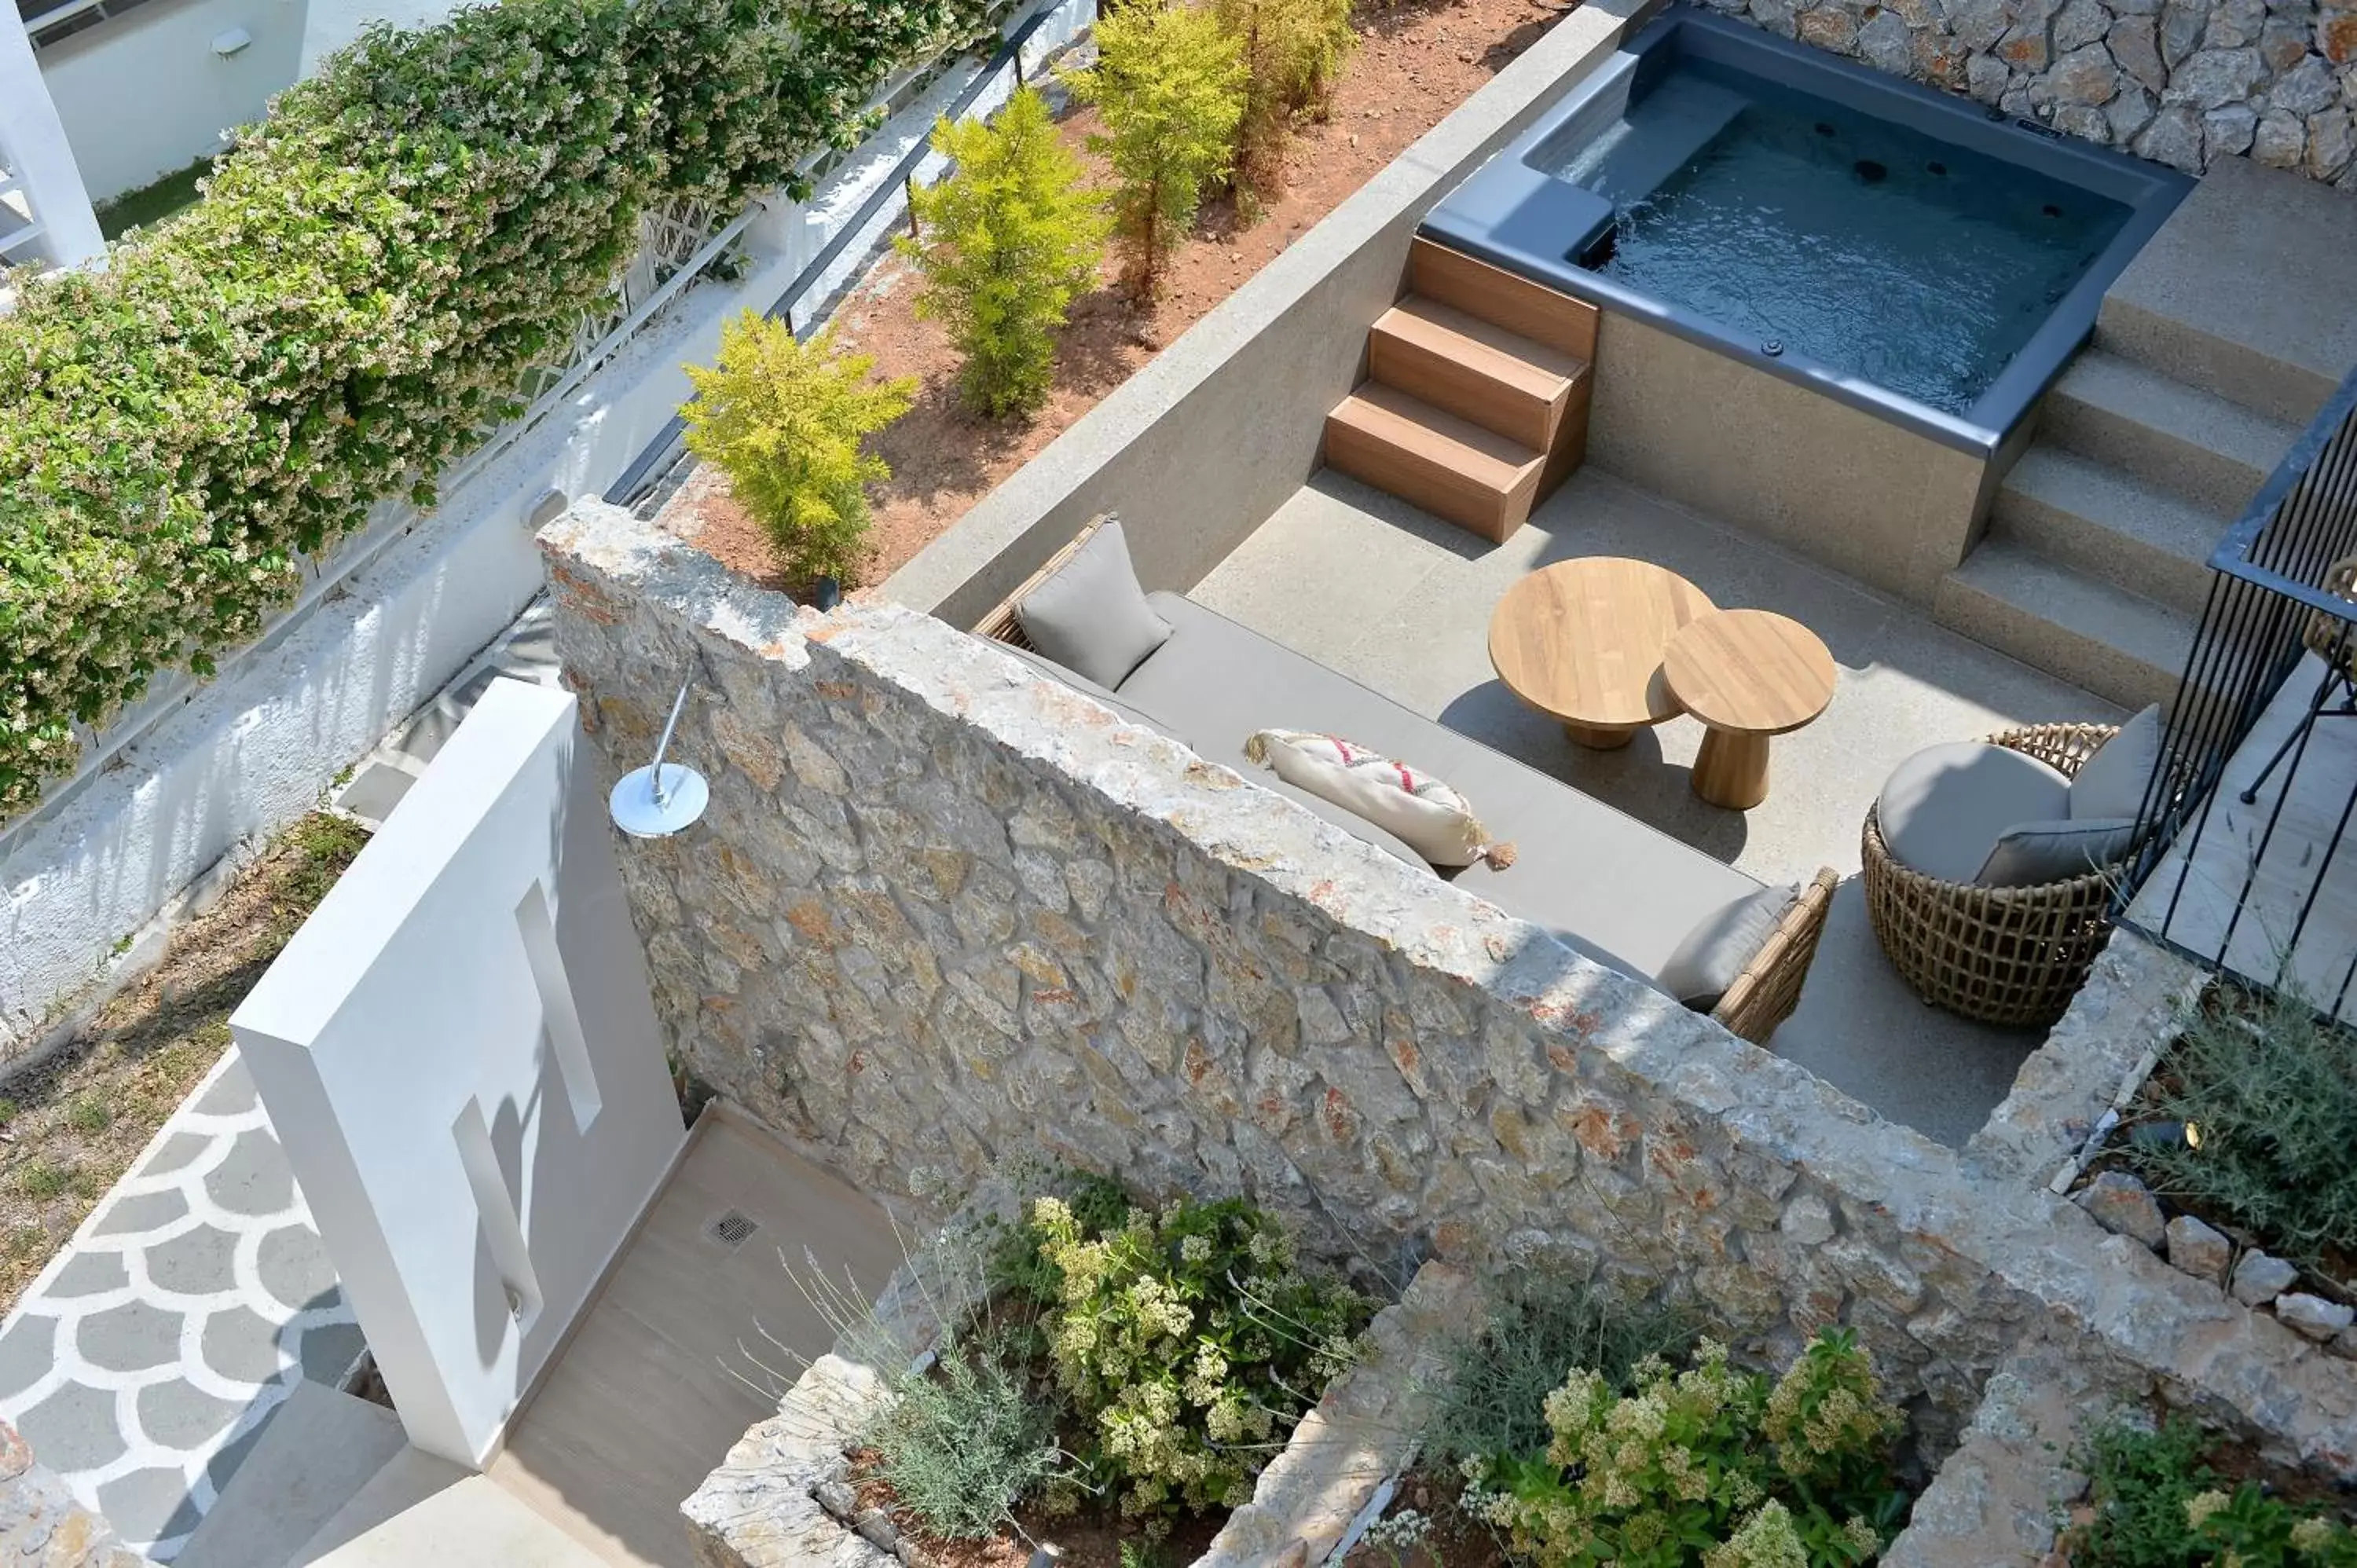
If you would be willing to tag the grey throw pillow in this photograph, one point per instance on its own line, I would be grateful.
(1716, 951)
(1091, 616)
(2029, 854)
(2112, 783)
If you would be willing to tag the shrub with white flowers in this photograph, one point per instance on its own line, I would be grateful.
(1189, 1340)
(1707, 1467)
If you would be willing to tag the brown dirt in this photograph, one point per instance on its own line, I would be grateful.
(1089, 1538)
(72, 1125)
(1417, 60)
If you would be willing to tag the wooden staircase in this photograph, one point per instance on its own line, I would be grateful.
(1475, 405)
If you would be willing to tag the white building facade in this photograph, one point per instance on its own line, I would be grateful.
(144, 88)
(45, 212)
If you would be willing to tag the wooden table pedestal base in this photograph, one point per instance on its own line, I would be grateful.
(1599, 739)
(1731, 769)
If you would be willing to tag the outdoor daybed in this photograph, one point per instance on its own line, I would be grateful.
(1609, 886)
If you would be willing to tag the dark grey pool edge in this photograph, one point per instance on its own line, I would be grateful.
(1467, 219)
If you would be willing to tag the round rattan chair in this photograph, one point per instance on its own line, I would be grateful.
(2000, 955)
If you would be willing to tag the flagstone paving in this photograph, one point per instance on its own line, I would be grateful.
(146, 1360)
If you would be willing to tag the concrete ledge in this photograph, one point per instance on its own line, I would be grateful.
(1199, 447)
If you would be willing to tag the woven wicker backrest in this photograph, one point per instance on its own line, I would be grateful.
(2330, 636)
(1767, 989)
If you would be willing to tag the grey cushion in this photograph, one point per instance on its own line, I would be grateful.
(2029, 854)
(1624, 893)
(1091, 616)
(2112, 783)
(1716, 951)
(1079, 682)
(1943, 809)
(1341, 817)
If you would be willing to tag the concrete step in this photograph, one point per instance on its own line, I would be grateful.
(1452, 468)
(2121, 646)
(1473, 368)
(2209, 362)
(419, 1510)
(2245, 291)
(2100, 521)
(321, 1448)
(2169, 435)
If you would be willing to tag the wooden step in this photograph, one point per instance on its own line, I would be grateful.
(1475, 369)
(1450, 467)
(1489, 294)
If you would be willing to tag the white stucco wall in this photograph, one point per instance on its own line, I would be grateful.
(459, 1053)
(144, 93)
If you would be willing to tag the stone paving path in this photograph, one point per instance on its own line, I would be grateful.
(145, 1360)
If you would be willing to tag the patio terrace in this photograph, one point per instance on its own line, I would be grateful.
(1377, 590)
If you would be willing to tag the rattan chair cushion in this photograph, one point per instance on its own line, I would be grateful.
(1943, 808)
(2111, 784)
(2029, 854)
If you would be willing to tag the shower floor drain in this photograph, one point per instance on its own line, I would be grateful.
(730, 1229)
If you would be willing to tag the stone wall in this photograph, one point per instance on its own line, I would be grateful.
(940, 908)
(2180, 81)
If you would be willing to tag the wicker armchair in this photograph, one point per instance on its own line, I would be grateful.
(1767, 989)
(2001, 955)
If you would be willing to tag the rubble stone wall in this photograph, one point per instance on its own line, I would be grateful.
(2183, 82)
(940, 908)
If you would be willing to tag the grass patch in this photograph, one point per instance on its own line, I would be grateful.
(78, 1120)
(151, 204)
(2268, 1093)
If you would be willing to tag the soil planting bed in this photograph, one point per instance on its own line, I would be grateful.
(1417, 61)
(1089, 1538)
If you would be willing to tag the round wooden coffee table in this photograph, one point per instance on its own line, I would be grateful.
(1582, 640)
(1746, 674)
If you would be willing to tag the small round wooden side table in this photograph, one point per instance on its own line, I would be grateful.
(1747, 675)
(1582, 640)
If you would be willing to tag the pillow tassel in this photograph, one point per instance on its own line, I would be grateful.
(1498, 856)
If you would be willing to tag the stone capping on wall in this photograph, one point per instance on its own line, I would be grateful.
(2094, 1060)
(941, 905)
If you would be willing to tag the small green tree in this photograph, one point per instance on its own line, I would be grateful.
(784, 421)
(1293, 52)
(1170, 81)
(1005, 242)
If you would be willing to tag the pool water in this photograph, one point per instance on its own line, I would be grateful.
(1918, 265)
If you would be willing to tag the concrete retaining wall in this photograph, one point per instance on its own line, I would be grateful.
(942, 908)
(1865, 497)
(1199, 447)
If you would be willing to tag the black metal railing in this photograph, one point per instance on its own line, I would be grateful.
(2274, 598)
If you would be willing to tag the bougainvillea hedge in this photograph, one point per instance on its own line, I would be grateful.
(370, 273)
